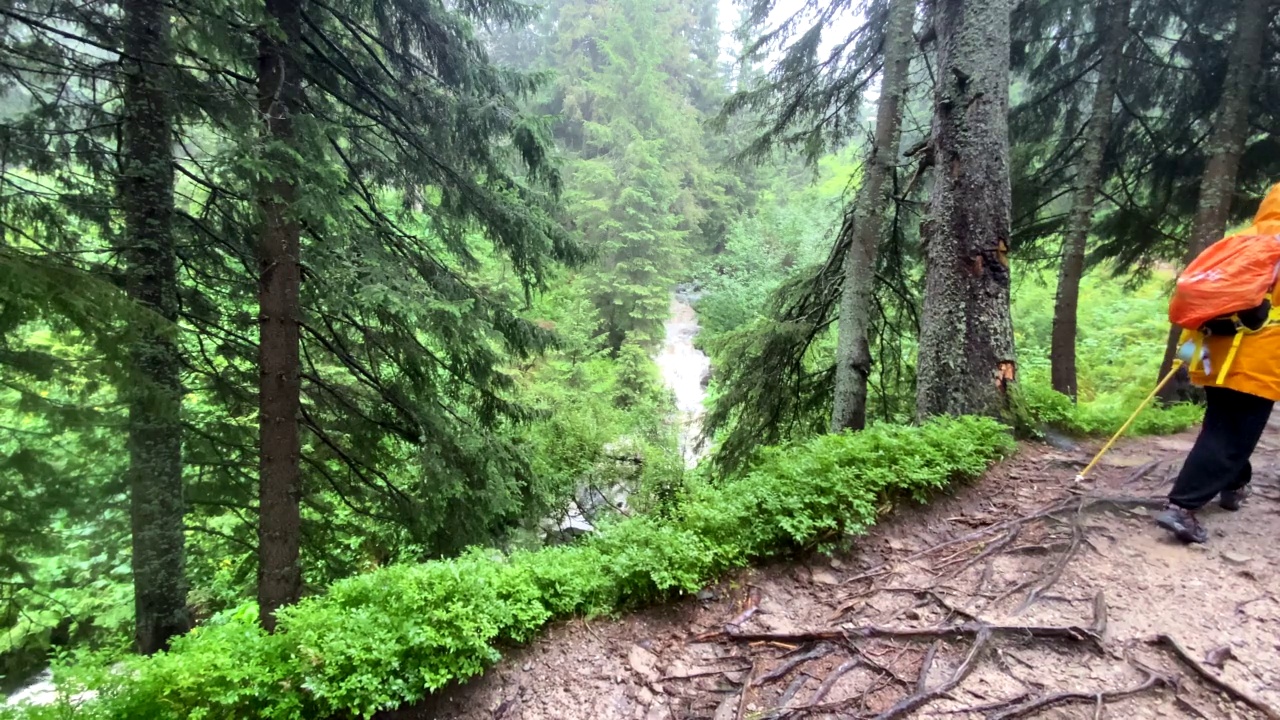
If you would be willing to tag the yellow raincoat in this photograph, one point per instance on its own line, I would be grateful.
(1255, 369)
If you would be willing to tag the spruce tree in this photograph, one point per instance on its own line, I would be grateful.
(1112, 25)
(773, 385)
(632, 79)
(280, 74)
(155, 403)
(966, 362)
(1226, 145)
(405, 152)
(853, 354)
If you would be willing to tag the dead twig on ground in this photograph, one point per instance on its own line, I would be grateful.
(929, 592)
(587, 626)
(1240, 606)
(990, 549)
(1142, 471)
(885, 670)
(1210, 677)
(704, 672)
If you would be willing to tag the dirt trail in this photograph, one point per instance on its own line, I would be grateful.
(1046, 603)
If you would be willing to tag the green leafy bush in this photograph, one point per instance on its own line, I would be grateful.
(391, 636)
(1120, 345)
(1040, 406)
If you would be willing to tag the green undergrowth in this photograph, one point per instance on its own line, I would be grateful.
(1043, 407)
(390, 637)
(1123, 328)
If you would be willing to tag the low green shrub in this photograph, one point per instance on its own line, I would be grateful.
(392, 636)
(1123, 328)
(1040, 406)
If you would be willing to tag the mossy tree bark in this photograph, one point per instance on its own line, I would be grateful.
(853, 351)
(155, 394)
(1113, 25)
(966, 359)
(279, 281)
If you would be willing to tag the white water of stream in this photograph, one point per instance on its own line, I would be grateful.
(685, 370)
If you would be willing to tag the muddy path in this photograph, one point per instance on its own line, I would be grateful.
(1022, 595)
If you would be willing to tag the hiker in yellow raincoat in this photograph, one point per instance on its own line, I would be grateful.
(1239, 404)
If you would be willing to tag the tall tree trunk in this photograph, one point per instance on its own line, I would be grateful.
(966, 360)
(1113, 24)
(279, 388)
(853, 352)
(1226, 145)
(155, 399)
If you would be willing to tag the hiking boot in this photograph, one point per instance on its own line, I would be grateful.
(1183, 524)
(1233, 499)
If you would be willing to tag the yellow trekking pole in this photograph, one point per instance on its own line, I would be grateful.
(1177, 365)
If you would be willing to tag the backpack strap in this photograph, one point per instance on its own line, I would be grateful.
(1231, 356)
(1273, 318)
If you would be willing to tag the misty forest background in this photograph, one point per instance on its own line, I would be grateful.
(296, 291)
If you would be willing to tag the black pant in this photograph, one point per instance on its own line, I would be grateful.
(1233, 424)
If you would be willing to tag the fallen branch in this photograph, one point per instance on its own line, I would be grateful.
(1210, 677)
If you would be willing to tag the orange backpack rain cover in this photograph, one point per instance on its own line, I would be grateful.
(1231, 275)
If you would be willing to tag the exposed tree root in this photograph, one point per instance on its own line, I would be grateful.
(830, 681)
(1008, 531)
(790, 694)
(973, 628)
(1062, 531)
(886, 671)
(924, 695)
(1212, 678)
(1020, 707)
(815, 703)
(794, 662)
